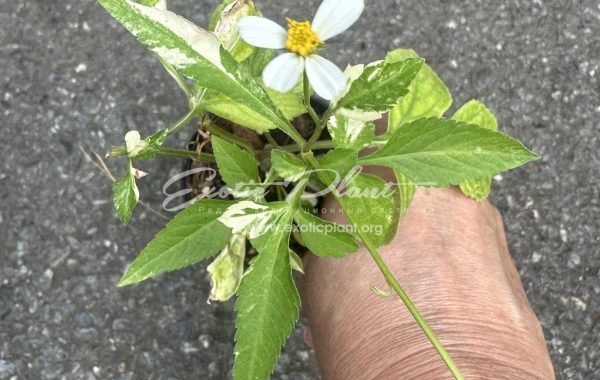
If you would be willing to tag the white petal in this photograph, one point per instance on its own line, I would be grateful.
(335, 16)
(261, 32)
(282, 73)
(325, 77)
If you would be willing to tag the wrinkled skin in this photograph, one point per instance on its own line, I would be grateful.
(451, 256)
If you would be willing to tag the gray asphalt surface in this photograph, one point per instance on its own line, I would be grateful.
(71, 77)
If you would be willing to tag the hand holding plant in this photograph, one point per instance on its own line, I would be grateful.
(450, 253)
(228, 73)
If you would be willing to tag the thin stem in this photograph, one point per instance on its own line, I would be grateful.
(269, 178)
(271, 140)
(216, 131)
(318, 145)
(318, 130)
(195, 102)
(183, 121)
(320, 123)
(167, 152)
(280, 195)
(309, 108)
(294, 197)
(267, 183)
(393, 282)
(121, 150)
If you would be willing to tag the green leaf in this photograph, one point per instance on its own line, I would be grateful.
(296, 262)
(216, 15)
(324, 238)
(242, 74)
(349, 133)
(381, 85)
(238, 168)
(337, 163)
(427, 94)
(289, 103)
(197, 54)
(192, 236)
(227, 269)
(440, 152)
(125, 195)
(477, 188)
(252, 219)
(476, 113)
(227, 31)
(148, 3)
(369, 203)
(267, 306)
(147, 148)
(407, 190)
(287, 166)
(258, 61)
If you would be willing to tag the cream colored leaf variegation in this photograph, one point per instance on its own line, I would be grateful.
(162, 5)
(134, 143)
(352, 73)
(227, 269)
(227, 32)
(250, 219)
(202, 41)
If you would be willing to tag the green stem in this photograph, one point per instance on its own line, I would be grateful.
(309, 108)
(183, 121)
(269, 178)
(121, 150)
(271, 140)
(267, 183)
(320, 123)
(294, 197)
(230, 137)
(318, 145)
(167, 152)
(393, 282)
(315, 137)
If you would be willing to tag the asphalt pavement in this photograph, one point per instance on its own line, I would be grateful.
(72, 80)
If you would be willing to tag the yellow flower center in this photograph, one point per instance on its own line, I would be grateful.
(302, 39)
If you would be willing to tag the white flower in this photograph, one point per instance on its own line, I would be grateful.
(303, 41)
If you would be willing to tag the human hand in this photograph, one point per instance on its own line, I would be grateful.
(451, 256)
